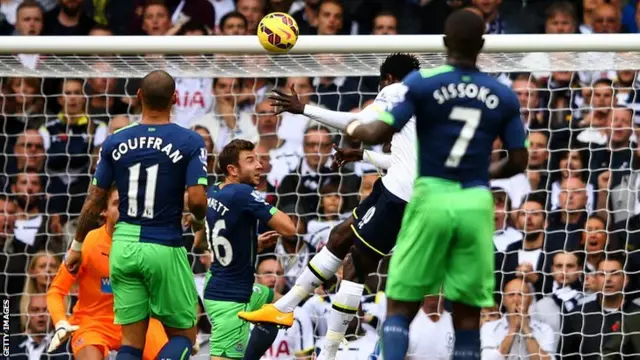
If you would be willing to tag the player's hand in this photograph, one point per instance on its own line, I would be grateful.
(206, 258)
(288, 103)
(72, 260)
(344, 156)
(63, 331)
(267, 239)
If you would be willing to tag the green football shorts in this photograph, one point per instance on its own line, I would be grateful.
(229, 333)
(152, 280)
(446, 240)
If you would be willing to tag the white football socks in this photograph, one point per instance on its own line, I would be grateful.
(320, 269)
(344, 308)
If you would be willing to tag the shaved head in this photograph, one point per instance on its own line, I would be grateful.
(157, 91)
(463, 31)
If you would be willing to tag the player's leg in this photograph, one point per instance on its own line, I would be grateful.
(156, 339)
(95, 340)
(320, 268)
(173, 297)
(418, 263)
(229, 333)
(470, 281)
(131, 297)
(263, 334)
(376, 234)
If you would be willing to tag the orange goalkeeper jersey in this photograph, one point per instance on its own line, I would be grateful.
(95, 299)
(94, 309)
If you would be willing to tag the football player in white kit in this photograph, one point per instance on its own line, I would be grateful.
(370, 232)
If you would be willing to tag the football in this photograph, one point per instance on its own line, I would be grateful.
(278, 32)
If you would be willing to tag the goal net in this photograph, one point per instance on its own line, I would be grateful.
(568, 226)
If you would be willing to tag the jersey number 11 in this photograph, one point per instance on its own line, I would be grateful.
(149, 190)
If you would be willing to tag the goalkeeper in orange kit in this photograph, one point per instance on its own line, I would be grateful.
(91, 328)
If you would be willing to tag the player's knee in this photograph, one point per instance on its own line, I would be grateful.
(341, 238)
(91, 352)
(178, 348)
(188, 333)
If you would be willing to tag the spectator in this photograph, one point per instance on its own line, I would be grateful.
(34, 230)
(292, 126)
(28, 154)
(528, 94)
(516, 334)
(360, 340)
(68, 19)
(208, 143)
(42, 268)
(431, 331)
(318, 229)
(267, 123)
(234, 23)
(385, 23)
(567, 291)
(155, 18)
(222, 8)
(32, 341)
(628, 341)
(560, 18)
(488, 314)
(366, 185)
(294, 252)
(526, 258)
(572, 165)
(7, 223)
(571, 215)
(264, 187)
(69, 140)
(105, 95)
(607, 19)
(495, 23)
(596, 121)
(538, 160)
(253, 11)
(25, 104)
(594, 241)
(100, 30)
(29, 18)
(505, 233)
(625, 91)
(330, 17)
(269, 273)
(586, 330)
(300, 187)
(588, 10)
(307, 17)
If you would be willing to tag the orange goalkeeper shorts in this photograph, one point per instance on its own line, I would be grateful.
(107, 337)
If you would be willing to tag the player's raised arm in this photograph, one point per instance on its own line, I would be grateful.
(196, 182)
(513, 138)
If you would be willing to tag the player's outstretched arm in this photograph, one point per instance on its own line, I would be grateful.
(282, 223)
(344, 156)
(59, 289)
(376, 132)
(290, 103)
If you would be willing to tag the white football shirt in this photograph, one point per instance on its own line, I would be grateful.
(294, 341)
(402, 172)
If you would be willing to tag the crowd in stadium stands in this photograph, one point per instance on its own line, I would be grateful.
(567, 230)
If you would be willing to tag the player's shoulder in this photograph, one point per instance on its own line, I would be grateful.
(94, 237)
(501, 90)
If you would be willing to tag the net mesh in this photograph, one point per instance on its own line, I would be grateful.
(582, 163)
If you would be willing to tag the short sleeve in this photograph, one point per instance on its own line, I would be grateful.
(197, 166)
(407, 95)
(103, 178)
(512, 133)
(256, 205)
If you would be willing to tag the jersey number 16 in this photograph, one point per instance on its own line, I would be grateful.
(220, 243)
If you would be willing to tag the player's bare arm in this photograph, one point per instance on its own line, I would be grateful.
(376, 132)
(282, 223)
(89, 216)
(197, 202)
(515, 163)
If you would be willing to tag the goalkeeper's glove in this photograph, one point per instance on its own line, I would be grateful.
(195, 348)
(63, 332)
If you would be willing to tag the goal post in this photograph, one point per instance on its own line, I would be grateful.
(242, 56)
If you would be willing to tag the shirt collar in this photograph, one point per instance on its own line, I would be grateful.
(83, 120)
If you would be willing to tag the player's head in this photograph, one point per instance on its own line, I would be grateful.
(238, 161)
(157, 91)
(111, 212)
(396, 66)
(463, 31)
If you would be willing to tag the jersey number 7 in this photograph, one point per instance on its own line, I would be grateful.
(471, 118)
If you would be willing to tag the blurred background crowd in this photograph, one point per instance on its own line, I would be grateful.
(567, 229)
